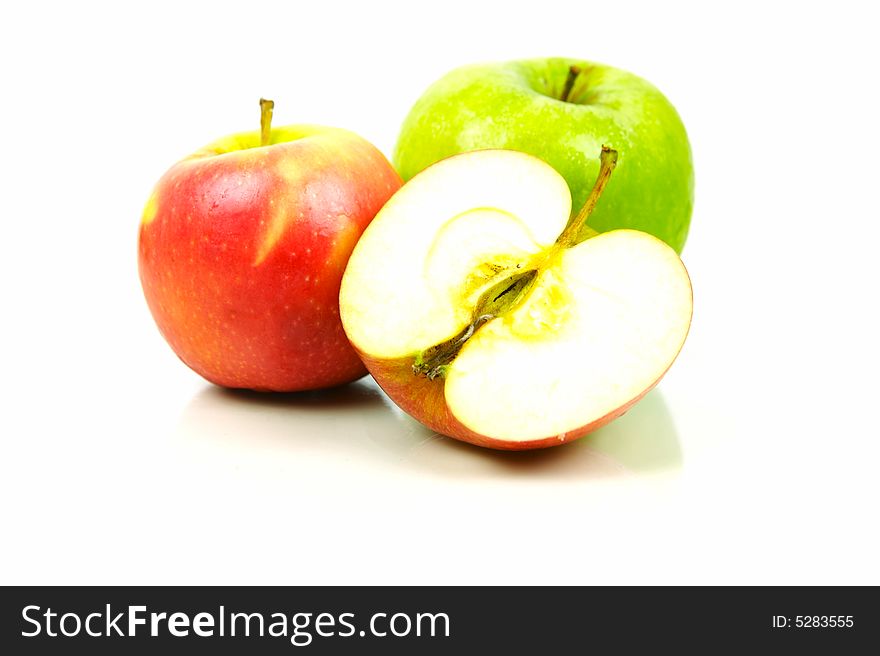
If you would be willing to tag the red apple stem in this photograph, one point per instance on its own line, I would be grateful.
(573, 72)
(569, 236)
(266, 109)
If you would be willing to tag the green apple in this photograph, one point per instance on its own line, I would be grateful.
(562, 111)
(477, 310)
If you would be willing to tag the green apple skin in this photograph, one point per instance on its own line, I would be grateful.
(517, 106)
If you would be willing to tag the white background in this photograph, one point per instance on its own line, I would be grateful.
(755, 460)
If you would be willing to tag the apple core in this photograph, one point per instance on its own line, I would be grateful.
(510, 286)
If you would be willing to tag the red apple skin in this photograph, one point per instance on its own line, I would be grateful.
(425, 400)
(241, 254)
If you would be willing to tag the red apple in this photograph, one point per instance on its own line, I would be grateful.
(490, 314)
(242, 248)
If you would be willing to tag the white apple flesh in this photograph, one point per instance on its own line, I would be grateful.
(477, 315)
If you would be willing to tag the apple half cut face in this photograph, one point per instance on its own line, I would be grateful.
(479, 317)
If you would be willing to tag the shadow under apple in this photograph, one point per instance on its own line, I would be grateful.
(358, 421)
(332, 420)
(643, 441)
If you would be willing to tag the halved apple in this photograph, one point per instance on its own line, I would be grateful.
(474, 308)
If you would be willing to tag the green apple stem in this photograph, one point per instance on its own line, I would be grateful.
(578, 224)
(573, 72)
(266, 109)
(501, 298)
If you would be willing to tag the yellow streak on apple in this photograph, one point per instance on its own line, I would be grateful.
(150, 209)
(282, 216)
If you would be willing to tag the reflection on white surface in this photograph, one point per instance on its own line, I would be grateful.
(359, 422)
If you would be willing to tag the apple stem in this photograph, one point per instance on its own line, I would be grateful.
(573, 72)
(569, 236)
(266, 108)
